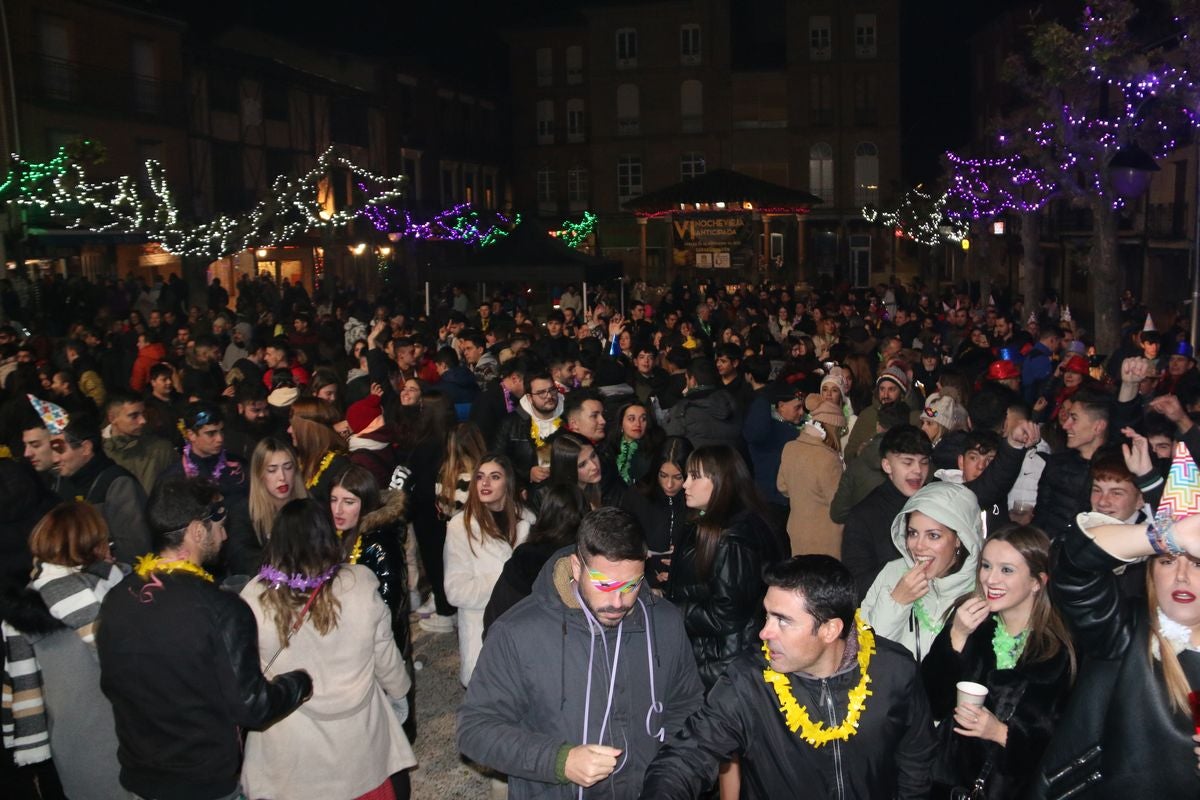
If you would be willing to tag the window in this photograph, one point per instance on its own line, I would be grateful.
(410, 167)
(470, 179)
(545, 189)
(820, 171)
(864, 35)
(146, 85)
(59, 78)
(629, 178)
(575, 120)
(689, 44)
(276, 103)
(820, 38)
(866, 100)
(577, 188)
(545, 66)
(627, 47)
(860, 260)
(229, 186)
(545, 122)
(820, 100)
(574, 64)
(489, 188)
(691, 165)
(628, 110)
(449, 183)
(866, 174)
(691, 106)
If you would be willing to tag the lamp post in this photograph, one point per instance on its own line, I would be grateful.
(1130, 171)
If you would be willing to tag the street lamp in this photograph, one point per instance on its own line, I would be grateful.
(1131, 170)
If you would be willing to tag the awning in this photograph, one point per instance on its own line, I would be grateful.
(724, 189)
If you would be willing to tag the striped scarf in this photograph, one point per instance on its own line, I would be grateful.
(72, 596)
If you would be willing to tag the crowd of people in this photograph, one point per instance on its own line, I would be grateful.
(734, 541)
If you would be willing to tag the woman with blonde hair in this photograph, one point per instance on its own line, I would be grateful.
(479, 539)
(317, 613)
(1006, 636)
(274, 480)
(53, 707)
(321, 449)
(810, 469)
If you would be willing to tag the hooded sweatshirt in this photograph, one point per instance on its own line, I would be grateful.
(956, 507)
(544, 671)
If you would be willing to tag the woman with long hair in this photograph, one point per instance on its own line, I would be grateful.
(321, 449)
(1131, 726)
(464, 448)
(716, 578)
(563, 508)
(658, 503)
(373, 527)
(574, 462)
(317, 613)
(810, 469)
(862, 382)
(939, 535)
(326, 386)
(56, 709)
(1008, 636)
(632, 441)
(274, 481)
(479, 539)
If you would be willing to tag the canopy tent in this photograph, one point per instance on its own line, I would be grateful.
(723, 189)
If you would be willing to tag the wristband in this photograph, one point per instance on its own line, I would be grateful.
(1155, 538)
(1168, 534)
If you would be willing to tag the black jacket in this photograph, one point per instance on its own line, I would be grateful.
(179, 662)
(119, 497)
(516, 579)
(489, 410)
(867, 537)
(722, 612)
(1119, 722)
(512, 439)
(1063, 491)
(1029, 699)
(889, 757)
(706, 415)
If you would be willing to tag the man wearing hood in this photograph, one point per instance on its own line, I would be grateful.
(579, 684)
(788, 707)
(523, 435)
(239, 345)
(706, 414)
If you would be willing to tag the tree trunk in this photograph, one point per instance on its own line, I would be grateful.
(1105, 278)
(1032, 264)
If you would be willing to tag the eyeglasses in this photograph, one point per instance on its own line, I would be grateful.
(544, 392)
(607, 585)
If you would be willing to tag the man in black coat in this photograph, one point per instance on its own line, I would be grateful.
(1065, 486)
(814, 659)
(500, 398)
(541, 409)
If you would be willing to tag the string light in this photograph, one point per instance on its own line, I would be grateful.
(459, 223)
(574, 234)
(920, 217)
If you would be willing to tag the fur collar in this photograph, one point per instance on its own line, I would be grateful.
(25, 610)
(395, 502)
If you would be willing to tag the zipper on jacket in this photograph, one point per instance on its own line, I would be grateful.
(831, 721)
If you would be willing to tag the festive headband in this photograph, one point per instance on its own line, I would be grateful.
(299, 582)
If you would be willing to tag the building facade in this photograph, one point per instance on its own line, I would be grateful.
(626, 98)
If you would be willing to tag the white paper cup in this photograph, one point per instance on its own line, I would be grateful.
(970, 693)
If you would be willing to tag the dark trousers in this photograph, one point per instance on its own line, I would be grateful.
(431, 538)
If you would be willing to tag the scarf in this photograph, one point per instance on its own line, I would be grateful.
(545, 426)
(72, 596)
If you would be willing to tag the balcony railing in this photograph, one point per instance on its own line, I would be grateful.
(83, 87)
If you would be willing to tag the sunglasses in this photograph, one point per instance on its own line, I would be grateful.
(607, 585)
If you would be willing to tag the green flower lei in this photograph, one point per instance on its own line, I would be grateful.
(923, 617)
(625, 458)
(1008, 648)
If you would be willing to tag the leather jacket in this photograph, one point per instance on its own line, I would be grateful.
(722, 612)
(1119, 736)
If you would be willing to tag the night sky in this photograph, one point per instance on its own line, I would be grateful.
(453, 37)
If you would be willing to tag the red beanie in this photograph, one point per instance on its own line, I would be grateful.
(363, 413)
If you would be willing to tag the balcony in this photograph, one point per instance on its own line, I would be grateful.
(84, 88)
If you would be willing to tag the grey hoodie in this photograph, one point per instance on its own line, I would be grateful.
(526, 698)
(956, 507)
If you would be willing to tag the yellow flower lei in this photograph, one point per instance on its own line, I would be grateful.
(538, 441)
(356, 551)
(796, 715)
(151, 563)
(325, 462)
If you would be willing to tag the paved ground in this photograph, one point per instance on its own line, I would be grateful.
(441, 772)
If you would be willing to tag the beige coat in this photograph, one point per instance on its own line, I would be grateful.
(808, 476)
(346, 740)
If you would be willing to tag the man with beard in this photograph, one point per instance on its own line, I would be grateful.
(252, 423)
(524, 433)
(179, 658)
(563, 696)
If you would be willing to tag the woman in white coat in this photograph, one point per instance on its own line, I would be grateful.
(938, 535)
(321, 615)
(479, 539)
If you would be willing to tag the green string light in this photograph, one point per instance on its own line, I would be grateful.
(574, 234)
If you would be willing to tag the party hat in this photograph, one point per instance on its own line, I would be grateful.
(54, 416)
(1066, 314)
(1149, 326)
(1181, 495)
(1032, 318)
